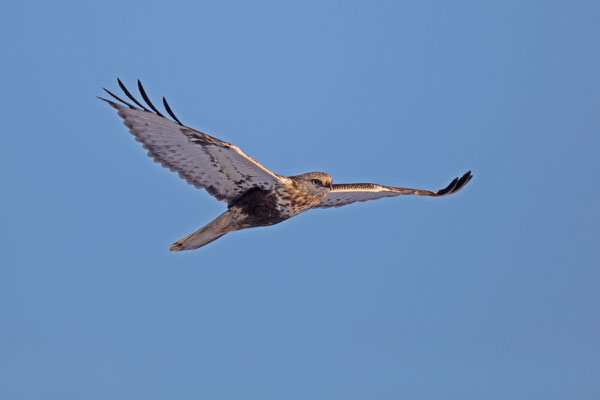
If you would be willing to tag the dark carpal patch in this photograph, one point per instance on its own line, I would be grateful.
(260, 208)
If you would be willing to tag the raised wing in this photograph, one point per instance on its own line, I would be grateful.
(224, 170)
(343, 194)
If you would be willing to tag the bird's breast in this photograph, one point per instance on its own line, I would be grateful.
(294, 202)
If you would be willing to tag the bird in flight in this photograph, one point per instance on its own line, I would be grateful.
(255, 195)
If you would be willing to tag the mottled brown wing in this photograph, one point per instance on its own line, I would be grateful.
(343, 194)
(224, 170)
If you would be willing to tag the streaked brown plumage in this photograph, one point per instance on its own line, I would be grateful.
(255, 195)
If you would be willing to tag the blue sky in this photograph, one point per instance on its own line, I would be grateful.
(491, 293)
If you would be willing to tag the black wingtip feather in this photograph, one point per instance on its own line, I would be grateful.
(170, 111)
(457, 184)
(112, 103)
(120, 99)
(124, 89)
(144, 96)
(449, 188)
(146, 99)
(464, 180)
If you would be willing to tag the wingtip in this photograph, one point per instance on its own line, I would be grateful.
(449, 188)
(118, 99)
(128, 94)
(106, 100)
(462, 182)
(170, 112)
(110, 102)
(468, 176)
(147, 99)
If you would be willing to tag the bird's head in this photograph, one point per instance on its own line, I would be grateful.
(317, 183)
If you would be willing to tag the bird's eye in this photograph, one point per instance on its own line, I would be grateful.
(317, 182)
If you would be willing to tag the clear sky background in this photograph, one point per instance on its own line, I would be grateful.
(492, 293)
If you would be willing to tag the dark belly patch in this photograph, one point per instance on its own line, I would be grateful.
(259, 207)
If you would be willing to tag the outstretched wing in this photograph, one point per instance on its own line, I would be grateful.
(224, 170)
(347, 193)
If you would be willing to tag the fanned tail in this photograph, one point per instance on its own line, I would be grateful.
(207, 234)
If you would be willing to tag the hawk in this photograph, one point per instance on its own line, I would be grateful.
(255, 195)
